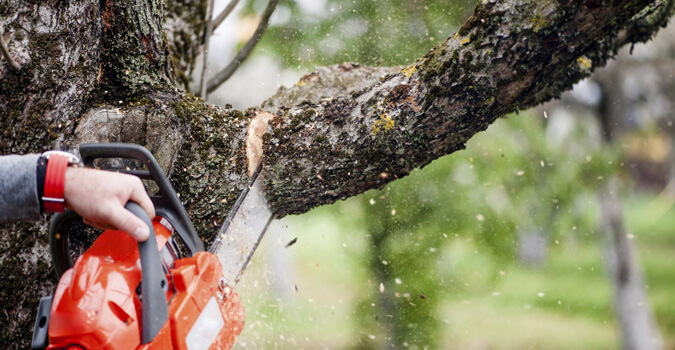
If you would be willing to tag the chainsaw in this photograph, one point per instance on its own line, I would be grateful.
(164, 293)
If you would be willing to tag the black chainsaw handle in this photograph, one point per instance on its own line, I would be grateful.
(167, 204)
(59, 227)
(153, 281)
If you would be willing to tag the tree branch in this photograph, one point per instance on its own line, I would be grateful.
(650, 20)
(207, 39)
(5, 52)
(328, 82)
(245, 51)
(506, 57)
(226, 12)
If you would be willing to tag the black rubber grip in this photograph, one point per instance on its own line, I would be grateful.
(41, 329)
(153, 281)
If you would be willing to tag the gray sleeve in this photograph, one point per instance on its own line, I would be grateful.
(18, 188)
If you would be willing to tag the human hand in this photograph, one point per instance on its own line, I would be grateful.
(99, 198)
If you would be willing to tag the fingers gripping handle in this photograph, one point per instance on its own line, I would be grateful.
(153, 281)
(167, 204)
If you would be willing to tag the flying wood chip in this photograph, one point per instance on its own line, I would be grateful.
(291, 242)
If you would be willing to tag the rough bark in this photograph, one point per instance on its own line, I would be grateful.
(507, 57)
(101, 70)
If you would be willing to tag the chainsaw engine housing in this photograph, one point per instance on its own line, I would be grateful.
(96, 305)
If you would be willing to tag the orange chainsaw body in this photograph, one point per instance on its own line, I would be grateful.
(96, 305)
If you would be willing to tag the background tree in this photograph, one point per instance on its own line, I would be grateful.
(104, 71)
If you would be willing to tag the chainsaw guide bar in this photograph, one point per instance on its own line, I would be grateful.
(243, 229)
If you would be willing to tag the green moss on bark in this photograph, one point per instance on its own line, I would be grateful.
(211, 170)
(135, 58)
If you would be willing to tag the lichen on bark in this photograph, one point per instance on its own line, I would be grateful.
(211, 169)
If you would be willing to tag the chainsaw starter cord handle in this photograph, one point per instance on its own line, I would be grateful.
(153, 281)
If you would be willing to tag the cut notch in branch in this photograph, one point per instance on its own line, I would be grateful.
(245, 51)
(254, 146)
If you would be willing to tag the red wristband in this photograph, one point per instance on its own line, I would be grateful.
(55, 179)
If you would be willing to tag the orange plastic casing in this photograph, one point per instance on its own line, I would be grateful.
(96, 306)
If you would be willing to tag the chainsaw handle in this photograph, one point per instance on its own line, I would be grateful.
(167, 204)
(153, 281)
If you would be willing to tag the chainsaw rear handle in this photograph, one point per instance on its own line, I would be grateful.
(167, 204)
(154, 284)
(59, 240)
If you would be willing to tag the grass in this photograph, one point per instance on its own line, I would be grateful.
(304, 296)
(483, 323)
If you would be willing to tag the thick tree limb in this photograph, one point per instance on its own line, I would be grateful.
(508, 56)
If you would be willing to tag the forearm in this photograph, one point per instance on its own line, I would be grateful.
(18, 188)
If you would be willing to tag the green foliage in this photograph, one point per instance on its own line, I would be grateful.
(370, 32)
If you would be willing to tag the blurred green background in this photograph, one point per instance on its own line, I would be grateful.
(450, 264)
(494, 247)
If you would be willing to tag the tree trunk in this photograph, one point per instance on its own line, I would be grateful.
(631, 302)
(639, 329)
(106, 71)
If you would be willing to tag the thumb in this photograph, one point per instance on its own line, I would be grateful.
(131, 224)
